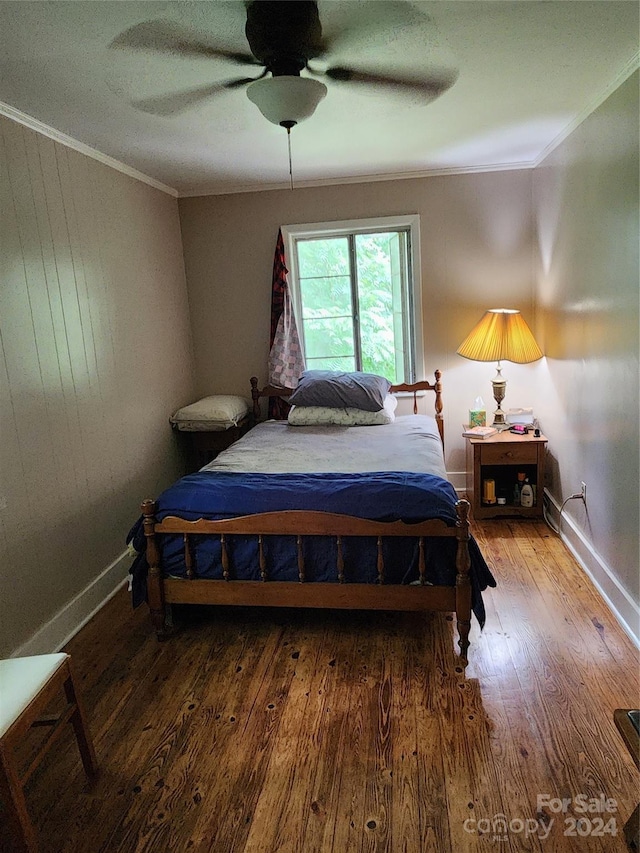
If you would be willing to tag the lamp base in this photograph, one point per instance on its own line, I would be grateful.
(499, 385)
(500, 425)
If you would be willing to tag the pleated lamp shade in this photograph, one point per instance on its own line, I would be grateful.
(501, 335)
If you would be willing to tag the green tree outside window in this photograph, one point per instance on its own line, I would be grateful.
(354, 295)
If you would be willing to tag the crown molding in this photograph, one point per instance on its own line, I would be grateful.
(628, 69)
(357, 179)
(70, 142)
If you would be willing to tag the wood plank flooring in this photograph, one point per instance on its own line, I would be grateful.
(286, 731)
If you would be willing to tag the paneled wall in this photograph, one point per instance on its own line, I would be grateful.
(95, 354)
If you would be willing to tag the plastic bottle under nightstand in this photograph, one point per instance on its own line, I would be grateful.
(526, 495)
(517, 489)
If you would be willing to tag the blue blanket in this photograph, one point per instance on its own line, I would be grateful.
(385, 496)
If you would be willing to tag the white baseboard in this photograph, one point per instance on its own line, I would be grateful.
(621, 604)
(55, 633)
(459, 481)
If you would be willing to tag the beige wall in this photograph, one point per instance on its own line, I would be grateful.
(588, 283)
(477, 243)
(96, 352)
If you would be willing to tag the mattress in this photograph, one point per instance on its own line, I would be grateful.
(410, 443)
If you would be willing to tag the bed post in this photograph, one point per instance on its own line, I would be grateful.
(155, 591)
(255, 396)
(463, 583)
(439, 419)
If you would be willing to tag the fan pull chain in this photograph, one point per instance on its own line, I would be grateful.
(289, 147)
(288, 124)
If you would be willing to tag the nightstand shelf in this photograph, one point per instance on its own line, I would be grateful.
(501, 458)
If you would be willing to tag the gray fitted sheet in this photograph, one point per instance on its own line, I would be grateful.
(410, 443)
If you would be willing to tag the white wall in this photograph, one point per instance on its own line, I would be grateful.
(96, 353)
(587, 290)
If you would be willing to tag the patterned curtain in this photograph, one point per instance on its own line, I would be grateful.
(286, 360)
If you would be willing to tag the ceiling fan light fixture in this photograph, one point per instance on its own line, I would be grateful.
(286, 100)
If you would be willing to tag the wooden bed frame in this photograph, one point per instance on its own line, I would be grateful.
(361, 596)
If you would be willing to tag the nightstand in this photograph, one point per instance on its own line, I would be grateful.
(502, 457)
(203, 447)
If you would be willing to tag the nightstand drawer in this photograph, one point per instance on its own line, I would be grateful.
(510, 454)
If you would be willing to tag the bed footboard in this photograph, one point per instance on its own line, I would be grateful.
(304, 593)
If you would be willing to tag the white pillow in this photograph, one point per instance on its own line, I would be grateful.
(211, 414)
(326, 416)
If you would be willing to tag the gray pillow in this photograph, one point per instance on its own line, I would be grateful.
(336, 390)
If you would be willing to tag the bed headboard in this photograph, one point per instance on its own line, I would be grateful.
(412, 388)
(267, 391)
(424, 385)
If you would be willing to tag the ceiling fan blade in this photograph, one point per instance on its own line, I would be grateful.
(180, 102)
(240, 81)
(433, 86)
(166, 36)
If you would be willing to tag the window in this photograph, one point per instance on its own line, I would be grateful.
(356, 291)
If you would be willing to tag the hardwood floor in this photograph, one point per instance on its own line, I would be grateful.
(331, 732)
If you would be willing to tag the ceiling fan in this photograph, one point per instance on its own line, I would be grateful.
(285, 37)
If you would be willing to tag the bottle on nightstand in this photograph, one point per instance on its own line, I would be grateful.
(526, 495)
(516, 494)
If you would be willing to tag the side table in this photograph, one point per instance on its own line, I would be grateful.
(203, 446)
(501, 457)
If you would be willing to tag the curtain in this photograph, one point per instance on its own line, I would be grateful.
(286, 359)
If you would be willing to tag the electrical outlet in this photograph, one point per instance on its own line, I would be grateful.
(583, 490)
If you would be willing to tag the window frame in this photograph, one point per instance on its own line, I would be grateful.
(403, 222)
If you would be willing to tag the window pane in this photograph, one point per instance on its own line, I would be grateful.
(397, 247)
(326, 301)
(326, 296)
(376, 303)
(331, 336)
(323, 258)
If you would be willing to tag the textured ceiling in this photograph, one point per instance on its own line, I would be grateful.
(528, 71)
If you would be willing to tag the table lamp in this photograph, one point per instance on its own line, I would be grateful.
(501, 335)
